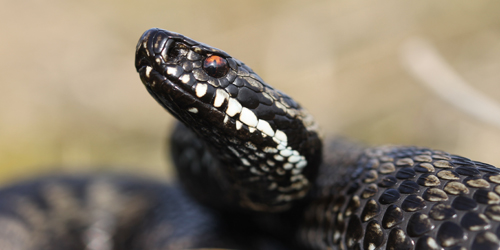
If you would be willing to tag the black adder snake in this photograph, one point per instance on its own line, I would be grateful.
(256, 173)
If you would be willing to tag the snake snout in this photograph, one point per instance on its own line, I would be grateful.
(153, 47)
(154, 50)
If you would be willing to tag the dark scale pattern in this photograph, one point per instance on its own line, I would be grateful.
(374, 236)
(425, 168)
(450, 234)
(389, 196)
(408, 187)
(406, 173)
(486, 241)
(388, 181)
(493, 212)
(442, 212)
(427, 243)
(419, 224)
(486, 197)
(475, 222)
(463, 203)
(413, 203)
(372, 209)
(428, 180)
(398, 240)
(392, 217)
(392, 197)
(413, 198)
(369, 191)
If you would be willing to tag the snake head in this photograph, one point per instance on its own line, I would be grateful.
(262, 135)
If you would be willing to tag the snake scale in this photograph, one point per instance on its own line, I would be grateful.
(255, 174)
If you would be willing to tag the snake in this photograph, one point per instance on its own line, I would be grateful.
(255, 172)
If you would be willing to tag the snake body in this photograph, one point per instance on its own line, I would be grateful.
(255, 174)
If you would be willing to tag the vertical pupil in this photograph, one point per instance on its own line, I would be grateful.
(215, 66)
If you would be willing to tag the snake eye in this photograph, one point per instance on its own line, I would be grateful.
(215, 66)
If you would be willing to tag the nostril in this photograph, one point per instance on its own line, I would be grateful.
(172, 52)
(142, 63)
(167, 50)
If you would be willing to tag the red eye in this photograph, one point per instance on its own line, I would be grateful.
(215, 66)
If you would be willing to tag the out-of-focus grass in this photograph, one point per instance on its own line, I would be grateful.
(70, 99)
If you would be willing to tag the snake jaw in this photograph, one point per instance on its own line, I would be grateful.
(262, 135)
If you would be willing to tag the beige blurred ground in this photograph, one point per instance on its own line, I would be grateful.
(70, 99)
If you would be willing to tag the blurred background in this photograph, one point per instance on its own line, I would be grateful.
(71, 101)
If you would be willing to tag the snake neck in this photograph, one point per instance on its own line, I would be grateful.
(267, 144)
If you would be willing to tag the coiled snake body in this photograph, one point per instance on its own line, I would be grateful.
(256, 175)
